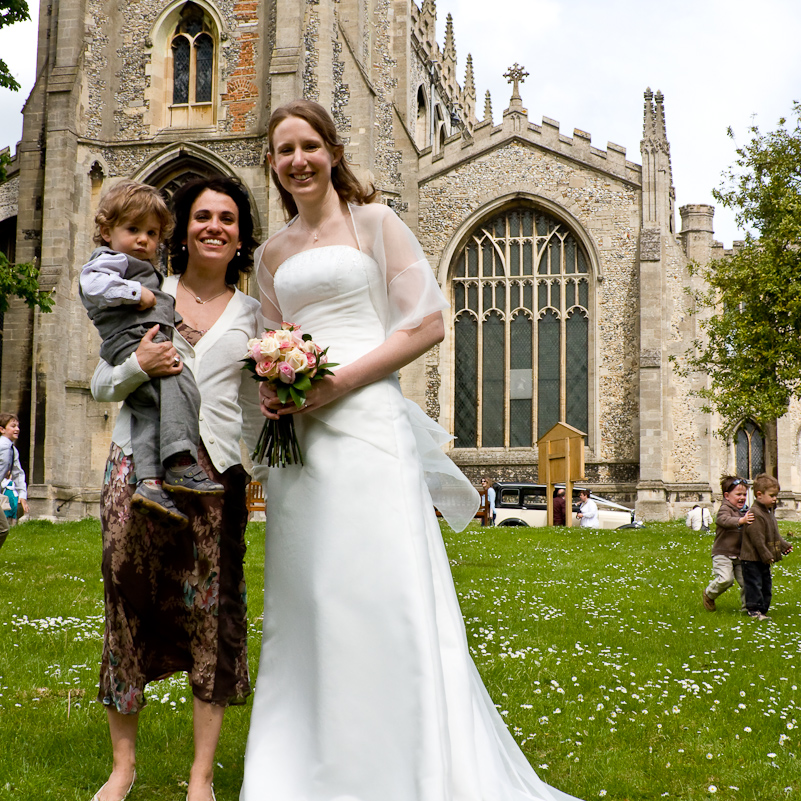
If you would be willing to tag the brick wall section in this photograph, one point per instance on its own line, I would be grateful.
(242, 92)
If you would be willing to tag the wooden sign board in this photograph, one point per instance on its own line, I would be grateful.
(561, 452)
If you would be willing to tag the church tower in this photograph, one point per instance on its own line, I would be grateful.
(673, 457)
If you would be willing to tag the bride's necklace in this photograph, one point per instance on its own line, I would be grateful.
(315, 235)
(182, 283)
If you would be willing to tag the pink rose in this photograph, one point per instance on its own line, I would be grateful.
(286, 373)
(255, 351)
(264, 369)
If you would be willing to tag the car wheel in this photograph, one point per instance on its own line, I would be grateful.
(630, 525)
(511, 522)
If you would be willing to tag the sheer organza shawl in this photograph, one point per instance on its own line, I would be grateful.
(409, 291)
(405, 293)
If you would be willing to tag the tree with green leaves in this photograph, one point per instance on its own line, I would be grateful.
(11, 11)
(20, 280)
(750, 308)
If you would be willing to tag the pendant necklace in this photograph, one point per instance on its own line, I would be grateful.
(316, 236)
(197, 297)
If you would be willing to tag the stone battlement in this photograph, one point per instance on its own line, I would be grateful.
(486, 136)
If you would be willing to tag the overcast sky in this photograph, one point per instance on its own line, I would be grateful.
(719, 63)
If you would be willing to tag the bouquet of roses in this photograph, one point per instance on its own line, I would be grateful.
(289, 360)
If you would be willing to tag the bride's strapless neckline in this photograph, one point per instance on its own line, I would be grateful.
(313, 250)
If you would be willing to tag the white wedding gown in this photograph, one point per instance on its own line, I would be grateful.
(366, 690)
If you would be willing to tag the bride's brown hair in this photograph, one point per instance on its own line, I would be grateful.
(345, 183)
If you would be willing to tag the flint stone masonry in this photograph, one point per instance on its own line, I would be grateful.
(9, 195)
(650, 244)
(312, 55)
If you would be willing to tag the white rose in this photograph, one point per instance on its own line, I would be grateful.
(284, 338)
(270, 348)
(296, 359)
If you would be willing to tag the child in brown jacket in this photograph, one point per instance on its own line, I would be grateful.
(726, 548)
(762, 546)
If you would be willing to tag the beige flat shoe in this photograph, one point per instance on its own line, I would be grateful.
(96, 796)
(213, 797)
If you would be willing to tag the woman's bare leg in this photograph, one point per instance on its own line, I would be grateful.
(122, 729)
(208, 720)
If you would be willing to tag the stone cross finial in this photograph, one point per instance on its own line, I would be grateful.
(516, 75)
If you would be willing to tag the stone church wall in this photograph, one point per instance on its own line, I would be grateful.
(607, 210)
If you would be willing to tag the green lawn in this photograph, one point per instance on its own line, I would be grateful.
(611, 675)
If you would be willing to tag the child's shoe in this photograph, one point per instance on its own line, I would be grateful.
(150, 500)
(191, 479)
(709, 603)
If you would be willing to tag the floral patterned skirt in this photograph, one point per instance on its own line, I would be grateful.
(175, 600)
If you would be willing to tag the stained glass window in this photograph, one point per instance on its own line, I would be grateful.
(204, 73)
(521, 303)
(749, 445)
(180, 70)
(466, 408)
(193, 57)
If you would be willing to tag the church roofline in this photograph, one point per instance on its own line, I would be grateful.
(486, 138)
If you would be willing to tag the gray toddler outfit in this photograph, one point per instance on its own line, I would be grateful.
(164, 411)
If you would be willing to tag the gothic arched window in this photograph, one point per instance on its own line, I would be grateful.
(193, 57)
(749, 446)
(521, 302)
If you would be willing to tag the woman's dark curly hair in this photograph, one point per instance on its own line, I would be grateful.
(182, 202)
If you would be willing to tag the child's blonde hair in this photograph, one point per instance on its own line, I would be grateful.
(130, 201)
(763, 482)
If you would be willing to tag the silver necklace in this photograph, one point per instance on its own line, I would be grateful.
(197, 297)
(316, 236)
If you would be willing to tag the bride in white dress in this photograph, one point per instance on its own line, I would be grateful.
(366, 689)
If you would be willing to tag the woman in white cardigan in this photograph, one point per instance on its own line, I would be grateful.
(175, 599)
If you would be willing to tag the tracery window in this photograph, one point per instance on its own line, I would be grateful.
(749, 446)
(193, 57)
(521, 300)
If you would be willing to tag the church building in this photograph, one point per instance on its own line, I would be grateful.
(565, 264)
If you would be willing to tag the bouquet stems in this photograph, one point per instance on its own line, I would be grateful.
(278, 443)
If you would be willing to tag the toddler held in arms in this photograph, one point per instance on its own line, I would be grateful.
(121, 290)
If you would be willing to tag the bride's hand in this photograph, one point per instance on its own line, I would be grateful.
(268, 401)
(322, 392)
